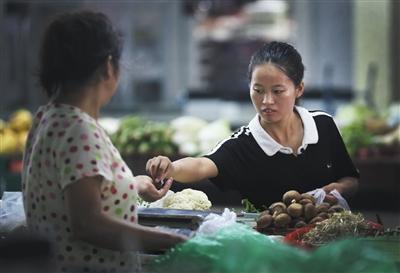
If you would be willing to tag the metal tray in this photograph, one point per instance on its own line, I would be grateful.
(173, 218)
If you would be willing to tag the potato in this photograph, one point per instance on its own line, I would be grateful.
(291, 197)
(282, 220)
(309, 211)
(264, 221)
(295, 210)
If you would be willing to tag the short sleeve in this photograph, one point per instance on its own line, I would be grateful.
(229, 168)
(83, 152)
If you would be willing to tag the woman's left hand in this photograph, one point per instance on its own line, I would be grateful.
(147, 188)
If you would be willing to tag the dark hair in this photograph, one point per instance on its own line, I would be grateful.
(282, 55)
(75, 45)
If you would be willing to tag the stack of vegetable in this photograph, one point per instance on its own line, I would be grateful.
(294, 211)
(137, 135)
(366, 131)
(14, 132)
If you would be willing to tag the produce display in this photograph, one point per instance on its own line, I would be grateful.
(14, 132)
(294, 211)
(137, 135)
(188, 199)
(340, 225)
(366, 131)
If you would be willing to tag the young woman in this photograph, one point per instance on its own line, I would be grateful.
(283, 147)
(78, 191)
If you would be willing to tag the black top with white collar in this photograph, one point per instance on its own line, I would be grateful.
(261, 169)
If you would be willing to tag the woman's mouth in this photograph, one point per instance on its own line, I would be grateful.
(267, 110)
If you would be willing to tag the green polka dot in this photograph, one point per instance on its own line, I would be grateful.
(118, 211)
(67, 170)
(92, 126)
(97, 155)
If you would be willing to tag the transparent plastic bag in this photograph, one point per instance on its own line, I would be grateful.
(319, 195)
(12, 212)
(214, 222)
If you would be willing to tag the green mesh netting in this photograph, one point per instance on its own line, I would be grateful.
(238, 248)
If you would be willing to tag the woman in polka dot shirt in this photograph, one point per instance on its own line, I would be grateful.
(77, 189)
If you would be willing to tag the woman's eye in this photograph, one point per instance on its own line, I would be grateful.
(279, 91)
(257, 90)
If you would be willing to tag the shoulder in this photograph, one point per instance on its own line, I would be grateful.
(321, 117)
(239, 137)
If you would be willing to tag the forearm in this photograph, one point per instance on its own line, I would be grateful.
(346, 186)
(192, 169)
(107, 232)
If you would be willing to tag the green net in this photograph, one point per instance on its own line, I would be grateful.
(238, 248)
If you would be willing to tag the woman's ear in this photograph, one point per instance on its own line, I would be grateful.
(300, 90)
(110, 70)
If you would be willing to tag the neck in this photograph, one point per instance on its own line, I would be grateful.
(284, 131)
(87, 99)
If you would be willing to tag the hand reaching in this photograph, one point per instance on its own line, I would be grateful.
(159, 168)
(147, 188)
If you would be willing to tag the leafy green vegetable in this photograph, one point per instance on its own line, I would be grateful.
(140, 136)
(248, 206)
(355, 137)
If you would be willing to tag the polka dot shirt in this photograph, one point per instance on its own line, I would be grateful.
(64, 145)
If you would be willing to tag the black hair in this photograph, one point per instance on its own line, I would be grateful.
(282, 55)
(74, 47)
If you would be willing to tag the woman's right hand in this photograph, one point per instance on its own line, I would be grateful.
(159, 168)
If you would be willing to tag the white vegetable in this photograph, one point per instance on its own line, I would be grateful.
(211, 134)
(188, 199)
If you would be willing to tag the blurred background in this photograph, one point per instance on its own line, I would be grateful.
(184, 85)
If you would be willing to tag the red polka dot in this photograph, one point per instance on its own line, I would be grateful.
(95, 170)
(125, 195)
(79, 166)
(84, 136)
(106, 208)
(114, 165)
(73, 149)
(86, 148)
(113, 190)
(60, 134)
(119, 176)
(132, 218)
(131, 186)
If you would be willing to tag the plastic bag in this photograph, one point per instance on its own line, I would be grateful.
(319, 195)
(12, 212)
(214, 222)
(238, 248)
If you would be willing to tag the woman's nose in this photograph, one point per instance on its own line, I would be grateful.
(268, 98)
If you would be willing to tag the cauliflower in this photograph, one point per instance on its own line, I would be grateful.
(187, 199)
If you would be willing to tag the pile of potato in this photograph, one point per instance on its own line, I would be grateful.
(296, 210)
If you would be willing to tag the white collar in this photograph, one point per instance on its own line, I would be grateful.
(271, 147)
